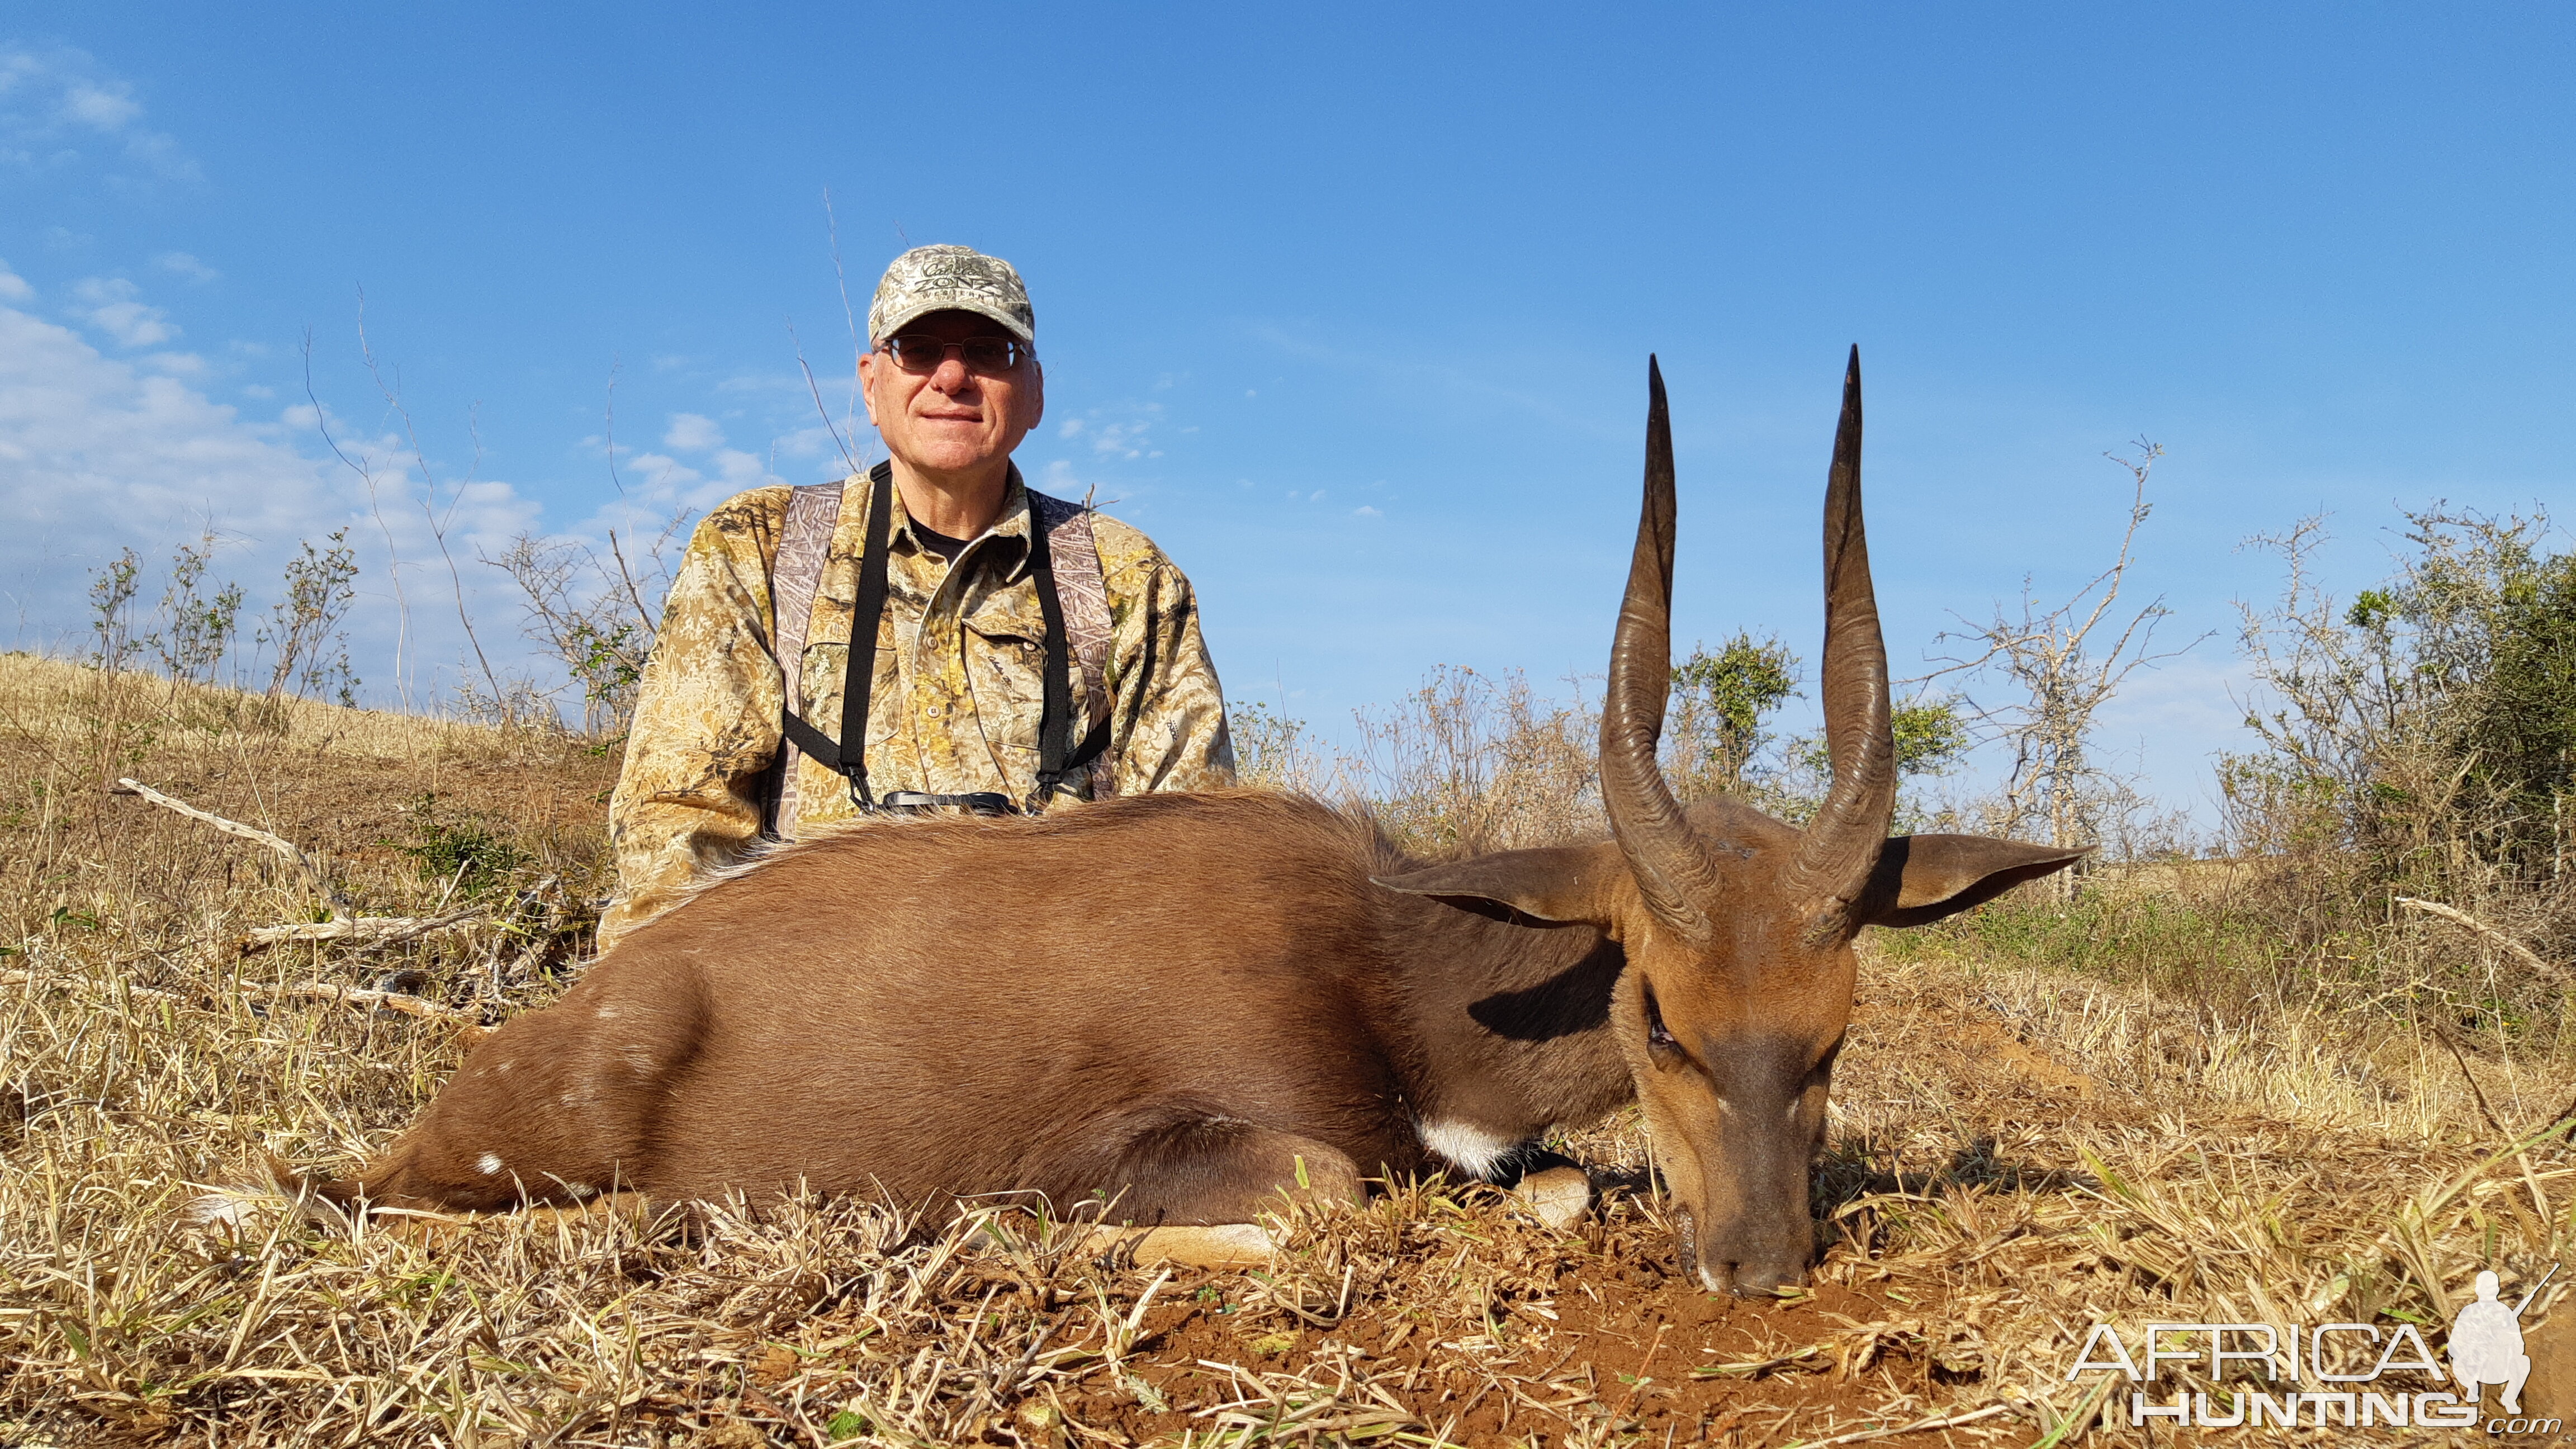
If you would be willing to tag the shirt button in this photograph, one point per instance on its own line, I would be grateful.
(931, 710)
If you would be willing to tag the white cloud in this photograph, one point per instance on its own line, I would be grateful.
(662, 483)
(96, 455)
(99, 454)
(1364, 511)
(56, 107)
(110, 107)
(740, 470)
(114, 309)
(691, 433)
(186, 266)
(13, 288)
(809, 443)
(1128, 436)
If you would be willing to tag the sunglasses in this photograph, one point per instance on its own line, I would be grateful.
(984, 356)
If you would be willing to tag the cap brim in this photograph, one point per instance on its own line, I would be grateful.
(906, 316)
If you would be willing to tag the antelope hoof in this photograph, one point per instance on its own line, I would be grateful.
(1556, 1196)
(1226, 1245)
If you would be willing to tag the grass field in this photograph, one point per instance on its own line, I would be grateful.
(2018, 1151)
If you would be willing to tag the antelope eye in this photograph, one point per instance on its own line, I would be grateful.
(1659, 1037)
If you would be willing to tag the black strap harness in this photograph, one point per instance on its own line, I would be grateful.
(848, 756)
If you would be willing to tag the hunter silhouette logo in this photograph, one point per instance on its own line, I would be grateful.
(2486, 1342)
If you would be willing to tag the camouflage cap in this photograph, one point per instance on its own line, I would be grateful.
(945, 279)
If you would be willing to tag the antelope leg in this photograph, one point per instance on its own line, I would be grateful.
(1226, 1172)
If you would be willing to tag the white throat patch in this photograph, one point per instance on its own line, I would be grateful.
(1472, 1148)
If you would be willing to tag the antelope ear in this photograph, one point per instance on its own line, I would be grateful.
(1561, 883)
(1921, 878)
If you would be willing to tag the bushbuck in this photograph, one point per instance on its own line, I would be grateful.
(1184, 1005)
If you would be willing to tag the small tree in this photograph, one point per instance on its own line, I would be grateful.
(2057, 671)
(319, 588)
(591, 614)
(111, 602)
(1720, 701)
(197, 626)
(1716, 742)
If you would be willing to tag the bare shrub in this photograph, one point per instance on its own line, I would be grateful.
(591, 615)
(1274, 752)
(197, 619)
(2056, 666)
(302, 631)
(111, 600)
(1470, 762)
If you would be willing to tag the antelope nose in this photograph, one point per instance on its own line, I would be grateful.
(1751, 1279)
(1753, 1276)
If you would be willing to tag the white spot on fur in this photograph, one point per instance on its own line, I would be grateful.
(637, 1057)
(505, 1066)
(580, 1189)
(572, 1099)
(606, 1013)
(1472, 1148)
(487, 1164)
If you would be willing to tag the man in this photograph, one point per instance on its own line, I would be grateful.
(957, 696)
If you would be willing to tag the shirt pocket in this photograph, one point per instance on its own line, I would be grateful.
(826, 670)
(1007, 671)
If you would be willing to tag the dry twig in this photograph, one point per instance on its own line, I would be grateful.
(27, 978)
(303, 860)
(2461, 918)
(381, 930)
(404, 1002)
(344, 923)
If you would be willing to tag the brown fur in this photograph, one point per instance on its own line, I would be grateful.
(958, 1008)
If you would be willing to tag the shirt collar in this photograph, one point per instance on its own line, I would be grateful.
(1010, 528)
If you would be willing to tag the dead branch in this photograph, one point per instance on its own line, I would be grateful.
(343, 926)
(2463, 919)
(303, 860)
(379, 930)
(409, 1005)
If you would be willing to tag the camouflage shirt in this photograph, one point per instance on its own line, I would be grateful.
(960, 666)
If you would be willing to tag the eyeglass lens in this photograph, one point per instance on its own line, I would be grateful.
(986, 356)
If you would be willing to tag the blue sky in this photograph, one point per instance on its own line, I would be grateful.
(1348, 307)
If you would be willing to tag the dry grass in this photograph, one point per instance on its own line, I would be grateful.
(2017, 1152)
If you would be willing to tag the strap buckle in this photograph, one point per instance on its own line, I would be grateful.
(976, 802)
